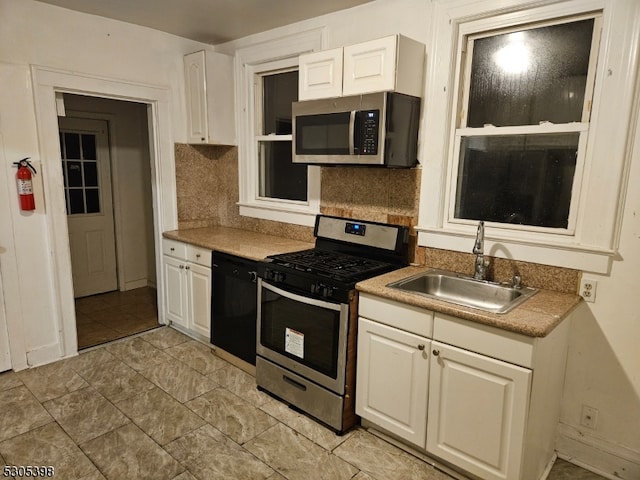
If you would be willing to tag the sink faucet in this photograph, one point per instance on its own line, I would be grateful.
(478, 249)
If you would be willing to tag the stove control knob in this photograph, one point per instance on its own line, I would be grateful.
(327, 291)
(279, 277)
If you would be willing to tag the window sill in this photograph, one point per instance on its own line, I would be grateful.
(567, 253)
(305, 216)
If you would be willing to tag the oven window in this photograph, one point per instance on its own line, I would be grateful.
(305, 333)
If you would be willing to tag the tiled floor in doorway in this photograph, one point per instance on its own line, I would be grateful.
(109, 316)
(161, 406)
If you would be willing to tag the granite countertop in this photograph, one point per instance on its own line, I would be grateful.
(536, 317)
(235, 241)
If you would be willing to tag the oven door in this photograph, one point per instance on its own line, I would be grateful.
(304, 335)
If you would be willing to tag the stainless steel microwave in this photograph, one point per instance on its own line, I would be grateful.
(372, 129)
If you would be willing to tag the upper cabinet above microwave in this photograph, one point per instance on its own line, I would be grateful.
(394, 63)
(208, 78)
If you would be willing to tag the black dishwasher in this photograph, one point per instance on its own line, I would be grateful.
(234, 305)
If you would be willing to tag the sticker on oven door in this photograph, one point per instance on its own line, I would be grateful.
(294, 342)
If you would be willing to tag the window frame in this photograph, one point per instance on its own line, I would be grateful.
(251, 62)
(473, 31)
(592, 244)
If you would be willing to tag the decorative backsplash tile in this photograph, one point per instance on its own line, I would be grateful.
(207, 195)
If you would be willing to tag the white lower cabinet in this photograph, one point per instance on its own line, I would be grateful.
(393, 374)
(187, 283)
(463, 393)
(477, 412)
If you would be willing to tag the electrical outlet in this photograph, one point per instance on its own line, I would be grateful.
(588, 289)
(589, 417)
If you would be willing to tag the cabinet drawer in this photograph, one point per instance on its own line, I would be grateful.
(395, 314)
(199, 255)
(486, 340)
(174, 248)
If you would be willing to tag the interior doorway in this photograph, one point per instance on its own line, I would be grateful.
(106, 169)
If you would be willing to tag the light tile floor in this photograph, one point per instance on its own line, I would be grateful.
(162, 406)
(109, 316)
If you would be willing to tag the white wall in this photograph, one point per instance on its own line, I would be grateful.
(32, 33)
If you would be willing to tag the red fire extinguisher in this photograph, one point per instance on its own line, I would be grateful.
(25, 186)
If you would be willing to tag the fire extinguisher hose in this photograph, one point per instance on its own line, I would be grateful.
(25, 163)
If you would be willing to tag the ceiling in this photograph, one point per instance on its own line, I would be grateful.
(208, 21)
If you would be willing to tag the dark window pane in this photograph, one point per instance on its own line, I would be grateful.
(279, 91)
(281, 178)
(90, 174)
(76, 201)
(527, 77)
(93, 200)
(74, 174)
(517, 179)
(72, 145)
(89, 147)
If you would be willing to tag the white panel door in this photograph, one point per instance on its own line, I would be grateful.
(392, 380)
(477, 412)
(199, 287)
(175, 282)
(320, 74)
(86, 167)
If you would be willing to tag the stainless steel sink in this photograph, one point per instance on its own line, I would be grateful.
(469, 292)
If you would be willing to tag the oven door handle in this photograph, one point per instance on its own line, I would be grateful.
(301, 298)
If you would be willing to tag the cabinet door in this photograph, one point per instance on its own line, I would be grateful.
(320, 74)
(175, 281)
(370, 66)
(477, 412)
(392, 380)
(199, 288)
(195, 81)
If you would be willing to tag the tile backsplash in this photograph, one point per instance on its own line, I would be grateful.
(207, 194)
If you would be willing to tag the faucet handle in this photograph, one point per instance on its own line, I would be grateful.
(517, 281)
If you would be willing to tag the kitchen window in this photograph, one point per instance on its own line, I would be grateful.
(525, 108)
(271, 186)
(528, 128)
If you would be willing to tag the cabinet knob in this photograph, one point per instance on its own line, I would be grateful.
(197, 255)
(187, 267)
(172, 249)
(421, 347)
(181, 267)
(436, 353)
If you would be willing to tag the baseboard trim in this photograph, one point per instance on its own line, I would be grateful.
(599, 456)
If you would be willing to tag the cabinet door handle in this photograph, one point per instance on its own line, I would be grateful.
(187, 267)
(436, 353)
(197, 255)
(181, 267)
(421, 347)
(172, 249)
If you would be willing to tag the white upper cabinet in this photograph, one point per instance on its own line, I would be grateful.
(393, 63)
(320, 74)
(210, 98)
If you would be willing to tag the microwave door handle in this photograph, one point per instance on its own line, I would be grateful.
(352, 129)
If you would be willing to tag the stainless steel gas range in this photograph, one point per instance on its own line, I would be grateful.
(307, 315)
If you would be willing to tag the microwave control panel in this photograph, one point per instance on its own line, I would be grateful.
(369, 123)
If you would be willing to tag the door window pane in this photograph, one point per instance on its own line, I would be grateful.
(90, 174)
(76, 201)
(280, 177)
(89, 147)
(72, 145)
(74, 174)
(530, 76)
(521, 179)
(93, 200)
